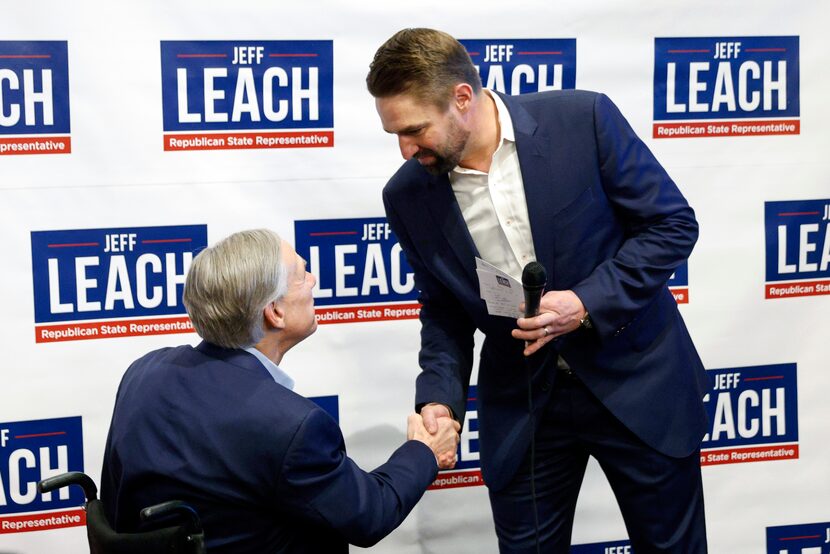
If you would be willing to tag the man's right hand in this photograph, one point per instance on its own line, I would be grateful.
(431, 412)
(443, 441)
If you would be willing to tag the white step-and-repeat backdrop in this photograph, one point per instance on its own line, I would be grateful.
(132, 134)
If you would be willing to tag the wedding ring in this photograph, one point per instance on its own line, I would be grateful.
(545, 329)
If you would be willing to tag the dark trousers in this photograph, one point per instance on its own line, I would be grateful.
(661, 498)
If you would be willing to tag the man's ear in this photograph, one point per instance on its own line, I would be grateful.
(462, 96)
(274, 315)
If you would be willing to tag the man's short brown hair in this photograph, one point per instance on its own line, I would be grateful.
(423, 62)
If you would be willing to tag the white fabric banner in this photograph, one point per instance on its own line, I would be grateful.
(134, 120)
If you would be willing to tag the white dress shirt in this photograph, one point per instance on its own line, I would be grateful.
(493, 204)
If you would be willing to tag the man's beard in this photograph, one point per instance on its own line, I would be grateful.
(441, 165)
(451, 151)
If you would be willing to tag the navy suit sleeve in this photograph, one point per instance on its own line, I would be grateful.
(324, 485)
(660, 227)
(446, 354)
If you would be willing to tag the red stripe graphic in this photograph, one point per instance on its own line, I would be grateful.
(787, 214)
(248, 140)
(771, 377)
(24, 56)
(681, 294)
(160, 241)
(688, 51)
(367, 313)
(559, 53)
(35, 145)
(749, 454)
(765, 50)
(74, 517)
(800, 538)
(292, 55)
(111, 329)
(201, 55)
(40, 435)
(743, 128)
(456, 479)
(72, 244)
(797, 288)
(329, 233)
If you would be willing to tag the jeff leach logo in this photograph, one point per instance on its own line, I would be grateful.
(679, 283)
(467, 471)
(753, 414)
(31, 451)
(614, 547)
(519, 66)
(220, 95)
(362, 274)
(34, 98)
(808, 538)
(726, 86)
(106, 283)
(798, 248)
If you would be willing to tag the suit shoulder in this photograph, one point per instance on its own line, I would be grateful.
(563, 97)
(311, 437)
(284, 415)
(320, 422)
(578, 103)
(160, 357)
(409, 178)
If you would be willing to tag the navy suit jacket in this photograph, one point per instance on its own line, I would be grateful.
(265, 468)
(609, 224)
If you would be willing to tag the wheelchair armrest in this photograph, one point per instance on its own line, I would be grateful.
(71, 478)
(174, 509)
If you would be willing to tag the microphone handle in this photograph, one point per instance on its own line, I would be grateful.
(533, 297)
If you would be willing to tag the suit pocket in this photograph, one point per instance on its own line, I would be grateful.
(576, 207)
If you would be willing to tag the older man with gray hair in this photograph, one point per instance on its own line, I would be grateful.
(219, 426)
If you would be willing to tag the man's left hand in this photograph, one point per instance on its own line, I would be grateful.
(560, 312)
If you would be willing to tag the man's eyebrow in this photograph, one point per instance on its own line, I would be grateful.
(407, 130)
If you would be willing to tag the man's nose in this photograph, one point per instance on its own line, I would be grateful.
(408, 147)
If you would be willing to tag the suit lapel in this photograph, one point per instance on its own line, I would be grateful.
(535, 153)
(538, 177)
(444, 209)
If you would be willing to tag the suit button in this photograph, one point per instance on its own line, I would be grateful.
(545, 386)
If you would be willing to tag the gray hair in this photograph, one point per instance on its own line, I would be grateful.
(230, 283)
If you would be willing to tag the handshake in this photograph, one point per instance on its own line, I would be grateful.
(438, 430)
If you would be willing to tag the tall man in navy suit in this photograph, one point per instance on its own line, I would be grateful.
(219, 426)
(558, 177)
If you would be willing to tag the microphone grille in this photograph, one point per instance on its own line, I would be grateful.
(534, 275)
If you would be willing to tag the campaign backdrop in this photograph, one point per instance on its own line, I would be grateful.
(132, 135)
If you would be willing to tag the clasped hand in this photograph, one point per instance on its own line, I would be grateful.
(560, 312)
(438, 430)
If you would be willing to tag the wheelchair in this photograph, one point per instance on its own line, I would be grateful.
(185, 536)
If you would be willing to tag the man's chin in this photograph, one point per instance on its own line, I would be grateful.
(438, 167)
(311, 330)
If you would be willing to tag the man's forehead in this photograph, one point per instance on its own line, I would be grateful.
(404, 111)
(288, 253)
